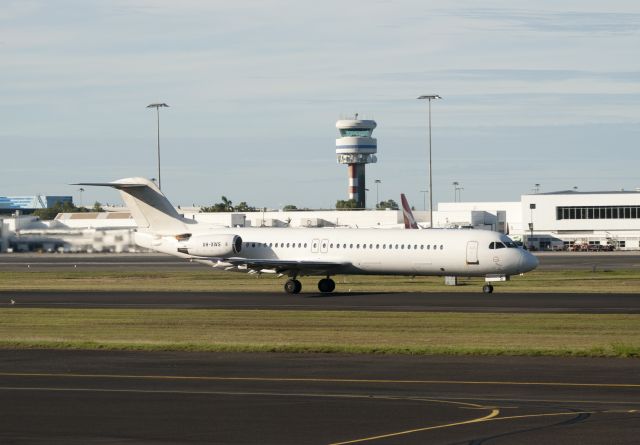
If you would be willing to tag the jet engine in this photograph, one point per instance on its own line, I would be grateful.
(218, 246)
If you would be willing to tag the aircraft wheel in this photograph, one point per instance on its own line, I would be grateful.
(326, 285)
(487, 288)
(292, 287)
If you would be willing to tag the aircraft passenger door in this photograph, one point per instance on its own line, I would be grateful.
(472, 252)
(324, 246)
(314, 245)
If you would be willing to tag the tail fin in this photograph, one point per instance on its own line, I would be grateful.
(149, 207)
(409, 221)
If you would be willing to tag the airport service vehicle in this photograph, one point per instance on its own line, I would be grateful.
(320, 251)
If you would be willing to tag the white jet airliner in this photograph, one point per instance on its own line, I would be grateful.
(320, 252)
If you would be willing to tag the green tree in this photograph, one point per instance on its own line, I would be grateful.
(65, 207)
(389, 204)
(289, 207)
(244, 207)
(346, 204)
(59, 207)
(226, 205)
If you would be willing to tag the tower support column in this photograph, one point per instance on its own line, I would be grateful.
(357, 183)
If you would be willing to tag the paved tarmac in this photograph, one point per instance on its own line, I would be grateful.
(95, 261)
(98, 397)
(361, 301)
(150, 261)
(101, 397)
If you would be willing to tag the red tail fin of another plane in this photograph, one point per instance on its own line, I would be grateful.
(407, 214)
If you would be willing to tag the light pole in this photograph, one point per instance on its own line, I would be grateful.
(424, 198)
(430, 97)
(377, 181)
(157, 107)
(532, 207)
(81, 190)
(457, 192)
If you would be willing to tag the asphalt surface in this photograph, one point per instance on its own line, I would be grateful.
(51, 261)
(362, 301)
(106, 397)
(96, 397)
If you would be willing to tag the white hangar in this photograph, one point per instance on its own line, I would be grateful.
(556, 220)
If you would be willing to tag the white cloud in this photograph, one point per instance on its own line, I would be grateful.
(270, 77)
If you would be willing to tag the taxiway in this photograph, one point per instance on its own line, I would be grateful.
(92, 397)
(587, 303)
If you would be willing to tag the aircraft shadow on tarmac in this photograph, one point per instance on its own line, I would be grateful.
(347, 294)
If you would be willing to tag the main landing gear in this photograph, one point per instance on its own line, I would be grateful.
(487, 288)
(326, 285)
(293, 286)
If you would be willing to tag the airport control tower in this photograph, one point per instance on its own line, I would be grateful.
(356, 148)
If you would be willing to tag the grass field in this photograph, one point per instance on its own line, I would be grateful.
(318, 331)
(576, 281)
(322, 331)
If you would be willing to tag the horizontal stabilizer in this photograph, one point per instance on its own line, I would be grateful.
(110, 184)
(147, 204)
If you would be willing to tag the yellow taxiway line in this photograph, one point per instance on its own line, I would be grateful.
(319, 380)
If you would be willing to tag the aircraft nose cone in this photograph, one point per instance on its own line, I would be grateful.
(529, 261)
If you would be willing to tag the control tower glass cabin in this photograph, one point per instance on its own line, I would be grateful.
(356, 148)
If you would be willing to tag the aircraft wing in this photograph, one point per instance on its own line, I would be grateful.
(302, 267)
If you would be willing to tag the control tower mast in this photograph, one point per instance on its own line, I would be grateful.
(356, 148)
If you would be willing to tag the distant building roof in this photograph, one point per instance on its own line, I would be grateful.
(94, 215)
(30, 202)
(576, 192)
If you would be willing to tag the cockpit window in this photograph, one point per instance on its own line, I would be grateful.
(511, 244)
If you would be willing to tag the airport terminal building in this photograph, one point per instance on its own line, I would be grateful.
(570, 219)
(27, 204)
(565, 220)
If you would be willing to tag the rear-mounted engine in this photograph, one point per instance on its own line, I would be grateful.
(218, 246)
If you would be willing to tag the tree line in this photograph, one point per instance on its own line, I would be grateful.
(65, 207)
(226, 205)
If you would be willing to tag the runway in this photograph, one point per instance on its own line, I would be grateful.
(91, 397)
(362, 301)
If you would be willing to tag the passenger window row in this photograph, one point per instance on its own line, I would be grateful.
(353, 246)
(385, 246)
(292, 245)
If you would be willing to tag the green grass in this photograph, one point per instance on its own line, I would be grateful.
(603, 335)
(322, 331)
(576, 281)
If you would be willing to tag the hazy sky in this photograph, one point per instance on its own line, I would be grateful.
(541, 92)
